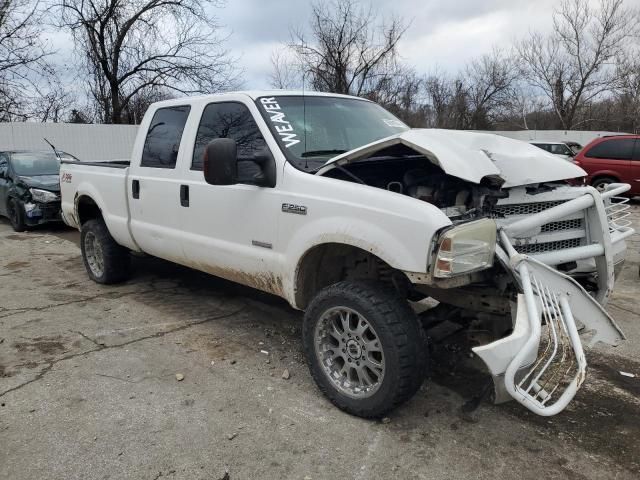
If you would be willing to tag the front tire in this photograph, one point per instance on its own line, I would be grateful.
(15, 211)
(364, 347)
(601, 183)
(105, 260)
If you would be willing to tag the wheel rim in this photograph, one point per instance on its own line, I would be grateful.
(93, 254)
(601, 187)
(350, 352)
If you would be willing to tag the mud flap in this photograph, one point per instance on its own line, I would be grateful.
(542, 363)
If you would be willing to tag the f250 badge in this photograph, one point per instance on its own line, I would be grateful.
(66, 178)
(291, 208)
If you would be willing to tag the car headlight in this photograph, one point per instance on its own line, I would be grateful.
(43, 196)
(466, 248)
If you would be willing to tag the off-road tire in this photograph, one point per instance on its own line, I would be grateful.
(116, 259)
(402, 340)
(15, 212)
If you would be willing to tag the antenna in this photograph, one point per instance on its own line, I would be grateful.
(54, 149)
(304, 121)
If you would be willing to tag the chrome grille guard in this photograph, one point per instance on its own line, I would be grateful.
(607, 224)
(542, 363)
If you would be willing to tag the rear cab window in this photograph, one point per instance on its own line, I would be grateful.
(162, 142)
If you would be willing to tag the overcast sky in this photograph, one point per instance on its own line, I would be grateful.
(443, 34)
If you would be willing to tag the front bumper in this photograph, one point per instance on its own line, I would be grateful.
(37, 213)
(542, 363)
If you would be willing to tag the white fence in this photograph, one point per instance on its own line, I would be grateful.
(87, 142)
(579, 136)
(115, 142)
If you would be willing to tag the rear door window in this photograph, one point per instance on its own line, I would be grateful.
(163, 137)
(636, 152)
(614, 149)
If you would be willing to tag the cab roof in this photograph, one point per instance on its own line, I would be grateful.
(254, 95)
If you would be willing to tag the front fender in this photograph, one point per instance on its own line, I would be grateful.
(408, 252)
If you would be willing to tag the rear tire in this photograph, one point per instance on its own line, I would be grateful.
(601, 183)
(364, 347)
(106, 261)
(15, 211)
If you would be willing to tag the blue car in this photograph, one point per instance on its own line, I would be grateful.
(29, 188)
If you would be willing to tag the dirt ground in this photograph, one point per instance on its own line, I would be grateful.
(88, 387)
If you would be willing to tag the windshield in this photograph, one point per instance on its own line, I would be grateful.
(35, 163)
(555, 148)
(66, 156)
(313, 129)
(560, 149)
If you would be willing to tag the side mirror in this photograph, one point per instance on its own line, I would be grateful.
(220, 162)
(267, 164)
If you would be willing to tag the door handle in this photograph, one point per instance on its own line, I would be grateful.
(135, 188)
(184, 195)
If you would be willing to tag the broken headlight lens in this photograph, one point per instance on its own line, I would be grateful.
(43, 196)
(466, 248)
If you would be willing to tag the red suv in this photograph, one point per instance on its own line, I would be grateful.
(612, 159)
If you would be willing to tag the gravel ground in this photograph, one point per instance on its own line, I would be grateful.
(89, 387)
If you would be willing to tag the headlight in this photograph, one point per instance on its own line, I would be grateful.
(43, 196)
(466, 248)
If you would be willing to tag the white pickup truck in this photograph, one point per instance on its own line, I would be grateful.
(337, 206)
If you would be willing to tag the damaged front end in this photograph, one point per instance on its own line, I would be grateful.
(40, 206)
(528, 258)
(541, 364)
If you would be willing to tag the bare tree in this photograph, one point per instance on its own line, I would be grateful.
(490, 85)
(137, 106)
(400, 91)
(135, 46)
(448, 101)
(78, 116)
(348, 52)
(628, 94)
(52, 104)
(22, 57)
(438, 89)
(575, 64)
(286, 72)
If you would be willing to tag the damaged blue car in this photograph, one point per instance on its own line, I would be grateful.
(29, 188)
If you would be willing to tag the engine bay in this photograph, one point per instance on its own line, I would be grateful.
(403, 171)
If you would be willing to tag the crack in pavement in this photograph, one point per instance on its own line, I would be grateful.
(107, 295)
(101, 347)
(87, 337)
(621, 308)
(124, 379)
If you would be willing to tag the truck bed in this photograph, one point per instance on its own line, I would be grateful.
(104, 184)
(106, 163)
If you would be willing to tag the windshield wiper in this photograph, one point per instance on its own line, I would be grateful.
(320, 153)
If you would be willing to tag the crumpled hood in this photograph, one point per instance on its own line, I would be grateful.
(45, 182)
(472, 156)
